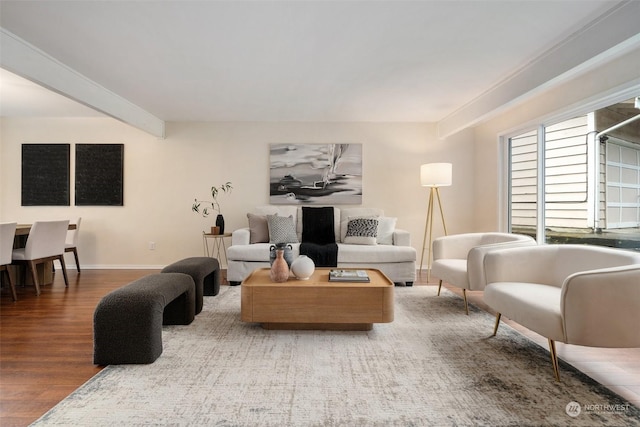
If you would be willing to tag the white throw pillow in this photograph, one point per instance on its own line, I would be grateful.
(386, 227)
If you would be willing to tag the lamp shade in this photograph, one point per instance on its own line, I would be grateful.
(436, 174)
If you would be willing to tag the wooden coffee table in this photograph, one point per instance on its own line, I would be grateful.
(317, 303)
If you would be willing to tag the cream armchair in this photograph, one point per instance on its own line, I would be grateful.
(458, 259)
(576, 294)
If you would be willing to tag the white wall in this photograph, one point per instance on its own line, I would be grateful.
(162, 177)
(612, 82)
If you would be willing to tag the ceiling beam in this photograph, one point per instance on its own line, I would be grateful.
(605, 39)
(26, 60)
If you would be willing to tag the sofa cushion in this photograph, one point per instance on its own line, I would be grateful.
(346, 213)
(381, 254)
(278, 210)
(258, 252)
(318, 225)
(386, 227)
(451, 270)
(362, 231)
(281, 229)
(532, 305)
(258, 228)
(363, 254)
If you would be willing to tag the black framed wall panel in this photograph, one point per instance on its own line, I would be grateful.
(45, 174)
(99, 175)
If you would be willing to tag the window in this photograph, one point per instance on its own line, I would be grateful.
(523, 177)
(589, 168)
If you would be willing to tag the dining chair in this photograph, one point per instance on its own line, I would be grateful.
(45, 242)
(7, 234)
(71, 242)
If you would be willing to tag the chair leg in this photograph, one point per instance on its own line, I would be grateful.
(495, 327)
(466, 304)
(554, 359)
(12, 285)
(34, 275)
(75, 255)
(64, 270)
(439, 286)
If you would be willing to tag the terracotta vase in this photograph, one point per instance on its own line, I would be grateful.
(279, 269)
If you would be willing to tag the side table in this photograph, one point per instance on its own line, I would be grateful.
(218, 247)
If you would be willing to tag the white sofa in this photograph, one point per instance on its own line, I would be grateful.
(393, 255)
(575, 294)
(458, 259)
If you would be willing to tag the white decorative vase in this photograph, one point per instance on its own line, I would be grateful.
(303, 267)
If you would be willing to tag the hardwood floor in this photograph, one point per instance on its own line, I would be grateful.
(46, 345)
(46, 342)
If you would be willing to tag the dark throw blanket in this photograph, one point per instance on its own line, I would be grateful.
(321, 255)
(318, 237)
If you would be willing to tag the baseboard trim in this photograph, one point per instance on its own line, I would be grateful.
(72, 267)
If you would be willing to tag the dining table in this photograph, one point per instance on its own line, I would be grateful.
(24, 229)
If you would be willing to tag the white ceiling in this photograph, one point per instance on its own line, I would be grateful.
(287, 60)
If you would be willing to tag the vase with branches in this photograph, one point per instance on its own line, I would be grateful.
(207, 207)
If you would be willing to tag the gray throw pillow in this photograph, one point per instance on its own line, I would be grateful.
(258, 228)
(281, 229)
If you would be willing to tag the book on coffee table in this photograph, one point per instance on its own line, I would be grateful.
(359, 276)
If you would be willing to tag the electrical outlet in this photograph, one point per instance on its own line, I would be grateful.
(152, 246)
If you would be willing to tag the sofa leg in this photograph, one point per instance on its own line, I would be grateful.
(403, 284)
(439, 286)
(233, 283)
(466, 305)
(554, 359)
(495, 327)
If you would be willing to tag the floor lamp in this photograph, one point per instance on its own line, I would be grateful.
(434, 176)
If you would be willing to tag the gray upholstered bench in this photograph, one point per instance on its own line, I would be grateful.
(205, 272)
(127, 323)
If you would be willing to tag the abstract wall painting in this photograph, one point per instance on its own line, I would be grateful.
(326, 174)
(45, 174)
(99, 174)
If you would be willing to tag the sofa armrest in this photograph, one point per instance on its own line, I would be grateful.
(475, 261)
(601, 308)
(241, 236)
(401, 237)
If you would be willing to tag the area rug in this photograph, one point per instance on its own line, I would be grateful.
(432, 366)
